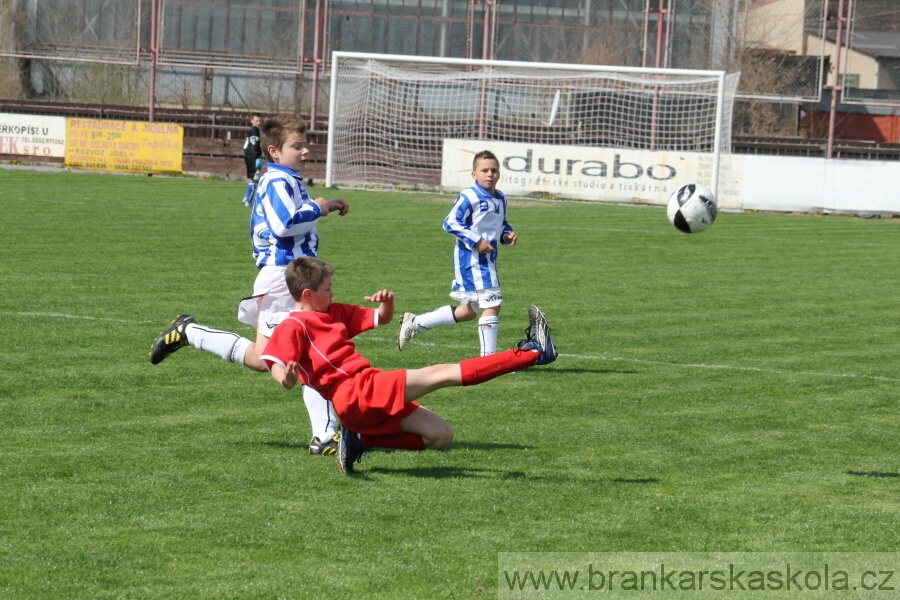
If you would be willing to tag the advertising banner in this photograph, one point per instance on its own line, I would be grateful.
(124, 146)
(30, 135)
(600, 174)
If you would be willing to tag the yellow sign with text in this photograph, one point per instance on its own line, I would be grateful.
(124, 146)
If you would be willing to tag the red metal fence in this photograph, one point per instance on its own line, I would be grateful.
(272, 55)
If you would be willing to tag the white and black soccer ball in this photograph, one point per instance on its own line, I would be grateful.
(692, 208)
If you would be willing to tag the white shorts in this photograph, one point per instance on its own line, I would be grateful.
(270, 303)
(486, 298)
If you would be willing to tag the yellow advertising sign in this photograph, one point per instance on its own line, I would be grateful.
(123, 146)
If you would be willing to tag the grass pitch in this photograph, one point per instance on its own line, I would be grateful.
(734, 390)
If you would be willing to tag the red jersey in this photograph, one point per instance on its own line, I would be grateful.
(320, 343)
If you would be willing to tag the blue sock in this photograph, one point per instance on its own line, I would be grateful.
(248, 195)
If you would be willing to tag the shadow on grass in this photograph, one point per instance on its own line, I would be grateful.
(455, 446)
(284, 445)
(553, 369)
(874, 474)
(446, 473)
(484, 446)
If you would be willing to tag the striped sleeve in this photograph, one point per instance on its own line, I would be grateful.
(459, 221)
(288, 208)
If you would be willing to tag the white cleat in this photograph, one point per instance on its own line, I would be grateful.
(407, 330)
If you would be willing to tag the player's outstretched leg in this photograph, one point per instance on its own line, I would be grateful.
(350, 450)
(407, 329)
(537, 336)
(171, 339)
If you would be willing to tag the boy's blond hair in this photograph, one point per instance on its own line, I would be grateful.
(275, 130)
(306, 273)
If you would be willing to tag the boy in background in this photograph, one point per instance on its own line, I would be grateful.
(478, 221)
(252, 158)
(378, 409)
(282, 227)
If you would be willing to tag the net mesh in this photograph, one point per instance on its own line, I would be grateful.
(391, 117)
(871, 66)
(85, 30)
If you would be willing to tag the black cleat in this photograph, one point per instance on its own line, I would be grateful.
(171, 339)
(325, 448)
(538, 337)
(350, 450)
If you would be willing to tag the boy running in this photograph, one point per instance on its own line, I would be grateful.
(252, 158)
(282, 227)
(378, 409)
(478, 221)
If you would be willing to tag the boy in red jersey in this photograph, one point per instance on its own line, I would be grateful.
(378, 409)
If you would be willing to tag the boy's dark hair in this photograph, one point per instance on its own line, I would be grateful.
(306, 273)
(483, 154)
(275, 130)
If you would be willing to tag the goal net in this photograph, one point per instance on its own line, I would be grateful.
(390, 118)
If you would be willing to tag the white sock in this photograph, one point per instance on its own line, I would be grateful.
(488, 327)
(436, 318)
(224, 344)
(321, 414)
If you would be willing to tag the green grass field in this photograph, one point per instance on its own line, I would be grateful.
(734, 391)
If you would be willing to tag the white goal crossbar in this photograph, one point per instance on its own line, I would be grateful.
(389, 115)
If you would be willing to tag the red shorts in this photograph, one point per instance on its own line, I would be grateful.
(372, 401)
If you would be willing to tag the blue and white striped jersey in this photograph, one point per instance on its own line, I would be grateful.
(283, 219)
(476, 215)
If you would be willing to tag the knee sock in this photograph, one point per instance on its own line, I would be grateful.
(399, 441)
(484, 368)
(321, 414)
(224, 344)
(248, 195)
(436, 318)
(488, 328)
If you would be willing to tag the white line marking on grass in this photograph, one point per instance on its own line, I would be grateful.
(65, 316)
(668, 231)
(729, 367)
(688, 365)
(581, 356)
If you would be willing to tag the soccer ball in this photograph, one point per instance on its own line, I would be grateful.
(692, 208)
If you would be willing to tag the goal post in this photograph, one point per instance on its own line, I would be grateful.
(595, 129)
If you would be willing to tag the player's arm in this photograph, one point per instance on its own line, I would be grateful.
(508, 236)
(385, 309)
(286, 207)
(459, 224)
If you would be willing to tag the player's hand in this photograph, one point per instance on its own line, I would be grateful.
(322, 203)
(483, 247)
(339, 204)
(511, 239)
(290, 375)
(386, 307)
(381, 296)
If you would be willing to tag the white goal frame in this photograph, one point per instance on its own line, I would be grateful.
(355, 89)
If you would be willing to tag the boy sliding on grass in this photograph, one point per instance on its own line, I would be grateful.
(282, 227)
(378, 409)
